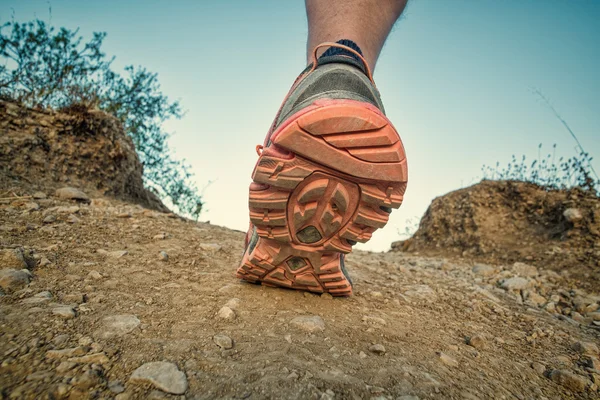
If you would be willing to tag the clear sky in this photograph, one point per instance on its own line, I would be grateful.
(456, 78)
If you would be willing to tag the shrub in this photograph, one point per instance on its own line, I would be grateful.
(48, 68)
(549, 172)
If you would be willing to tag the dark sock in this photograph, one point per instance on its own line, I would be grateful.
(336, 51)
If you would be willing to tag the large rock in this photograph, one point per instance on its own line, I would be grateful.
(12, 258)
(12, 279)
(69, 193)
(162, 375)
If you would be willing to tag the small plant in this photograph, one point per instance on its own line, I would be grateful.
(548, 172)
(44, 67)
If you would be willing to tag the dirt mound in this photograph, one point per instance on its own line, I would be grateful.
(504, 221)
(89, 150)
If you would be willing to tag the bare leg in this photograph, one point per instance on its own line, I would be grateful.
(366, 22)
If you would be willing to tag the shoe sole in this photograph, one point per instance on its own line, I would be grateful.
(329, 179)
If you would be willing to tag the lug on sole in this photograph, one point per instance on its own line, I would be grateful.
(346, 172)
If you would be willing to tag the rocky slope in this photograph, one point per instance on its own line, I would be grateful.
(111, 300)
(104, 298)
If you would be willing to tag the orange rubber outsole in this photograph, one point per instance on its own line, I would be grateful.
(329, 179)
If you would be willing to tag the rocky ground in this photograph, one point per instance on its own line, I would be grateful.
(104, 299)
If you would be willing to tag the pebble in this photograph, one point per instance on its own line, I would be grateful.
(163, 256)
(41, 297)
(73, 219)
(477, 341)
(88, 379)
(116, 326)
(95, 275)
(116, 387)
(233, 303)
(369, 319)
(70, 193)
(377, 349)
(572, 215)
(65, 353)
(569, 380)
(65, 366)
(515, 283)
(538, 367)
(116, 253)
(447, 360)
(226, 313)
(362, 354)
(595, 316)
(59, 340)
(309, 323)
(326, 296)
(95, 358)
(162, 375)
(525, 270)
(585, 348)
(39, 195)
(223, 341)
(66, 312)
(483, 270)
(77, 298)
(12, 279)
(210, 247)
(49, 219)
(420, 292)
(12, 258)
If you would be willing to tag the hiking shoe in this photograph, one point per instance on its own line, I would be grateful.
(329, 173)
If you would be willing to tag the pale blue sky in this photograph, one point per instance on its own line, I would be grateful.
(455, 77)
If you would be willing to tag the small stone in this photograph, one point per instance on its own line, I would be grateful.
(538, 367)
(12, 280)
(524, 270)
(536, 298)
(65, 366)
(226, 313)
(370, 319)
(223, 341)
(309, 323)
(116, 253)
(326, 296)
(69, 193)
(65, 353)
(477, 341)
(88, 379)
(44, 262)
(116, 326)
(421, 292)
(585, 348)
(362, 354)
(293, 375)
(41, 297)
(12, 259)
(76, 298)
(39, 376)
(160, 236)
(59, 340)
(85, 341)
(65, 312)
(569, 380)
(595, 316)
(408, 397)
(95, 358)
(483, 270)
(124, 215)
(163, 256)
(73, 219)
(95, 275)
(377, 349)
(573, 215)
(591, 362)
(162, 375)
(515, 283)
(447, 360)
(116, 387)
(50, 218)
(210, 247)
(233, 303)
(39, 195)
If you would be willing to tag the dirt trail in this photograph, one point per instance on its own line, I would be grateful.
(114, 286)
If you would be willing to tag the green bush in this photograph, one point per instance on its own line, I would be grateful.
(44, 67)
